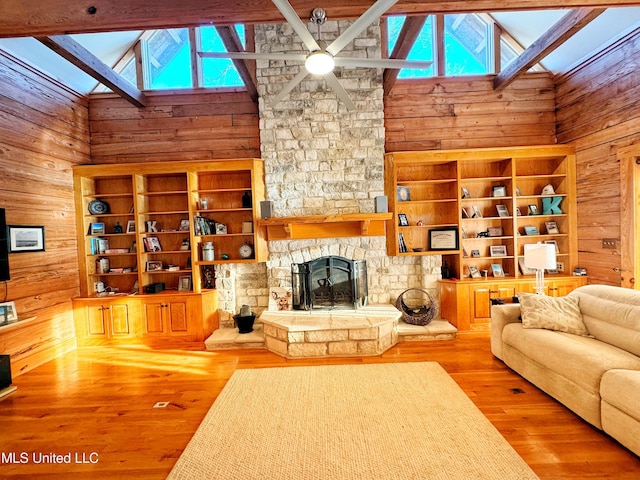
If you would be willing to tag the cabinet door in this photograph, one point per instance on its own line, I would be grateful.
(177, 317)
(481, 297)
(119, 320)
(96, 324)
(153, 318)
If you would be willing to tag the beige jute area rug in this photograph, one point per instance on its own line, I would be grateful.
(384, 421)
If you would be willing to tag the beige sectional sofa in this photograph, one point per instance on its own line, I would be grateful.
(596, 372)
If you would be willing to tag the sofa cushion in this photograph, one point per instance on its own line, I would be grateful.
(621, 388)
(552, 313)
(582, 360)
(611, 314)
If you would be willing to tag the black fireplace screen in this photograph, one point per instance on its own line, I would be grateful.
(329, 282)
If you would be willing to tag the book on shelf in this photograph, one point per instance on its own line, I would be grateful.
(98, 245)
(401, 243)
(116, 250)
(204, 226)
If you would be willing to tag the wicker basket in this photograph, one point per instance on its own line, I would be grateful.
(417, 315)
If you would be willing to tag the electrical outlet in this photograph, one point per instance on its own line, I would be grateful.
(161, 405)
(609, 243)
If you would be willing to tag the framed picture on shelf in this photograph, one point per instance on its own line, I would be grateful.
(518, 212)
(28, 238)
(476, 212)
(445, 238)
(403, 194)
(495, 231)
(502, 210)
(152, 244)
(96, 229)
(402, 220)
(184, 283)
(552, 228)
(499, 191)
(465, 213)
(474, 272)
(553, 242)
(465, 193)
(524, 269)
(498, 250)
(131, 226)
(475, 253)
(465, 254)
(531, 230)
(221, 229)
(533, 210)
(184, 225)
(518, 192)
(154, 265)
(497, 270)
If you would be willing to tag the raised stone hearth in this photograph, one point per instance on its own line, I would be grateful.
(369, 330)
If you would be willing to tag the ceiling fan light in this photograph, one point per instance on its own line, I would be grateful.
(319, 63)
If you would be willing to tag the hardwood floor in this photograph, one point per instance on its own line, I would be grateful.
(96, 404)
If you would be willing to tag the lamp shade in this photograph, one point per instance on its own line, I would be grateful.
(319, 62)
(540, 256)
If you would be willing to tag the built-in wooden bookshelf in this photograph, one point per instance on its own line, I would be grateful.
(141, 225)
(477, 208)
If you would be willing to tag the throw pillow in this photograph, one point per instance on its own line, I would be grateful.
(552, 313)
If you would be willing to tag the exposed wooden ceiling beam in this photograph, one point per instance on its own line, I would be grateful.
(86, 61)
(232, 42)
(406, 38)
(58, 17)
(559, 33)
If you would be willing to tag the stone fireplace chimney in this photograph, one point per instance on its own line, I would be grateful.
(321, 159)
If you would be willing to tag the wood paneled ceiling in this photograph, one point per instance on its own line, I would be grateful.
(60, 17)
(50, 22)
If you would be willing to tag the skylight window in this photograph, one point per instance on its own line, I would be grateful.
(465, 45)
(422, 48)
(170, 59)
(218, 72)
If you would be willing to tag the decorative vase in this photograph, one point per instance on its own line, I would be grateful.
(244, 323)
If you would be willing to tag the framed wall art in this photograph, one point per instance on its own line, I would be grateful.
(25, 238)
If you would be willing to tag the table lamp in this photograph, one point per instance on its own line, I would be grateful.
(540, 256)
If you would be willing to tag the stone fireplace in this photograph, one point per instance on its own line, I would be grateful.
(321, 159)
(329, 282)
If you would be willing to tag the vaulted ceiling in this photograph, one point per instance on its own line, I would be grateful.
(544, 29)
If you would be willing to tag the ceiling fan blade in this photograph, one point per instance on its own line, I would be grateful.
(382, 63)
(339, 89)
(289, 86)
(300, 57)
(367, 18)
(294, 20)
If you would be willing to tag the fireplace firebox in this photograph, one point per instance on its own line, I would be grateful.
(329, 282)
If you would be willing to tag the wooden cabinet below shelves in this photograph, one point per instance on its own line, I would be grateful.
(159, 319)
(466, 304)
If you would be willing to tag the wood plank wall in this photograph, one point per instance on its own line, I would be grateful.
(465, 112)
(43, 133)
(175, 126)
(598, 108)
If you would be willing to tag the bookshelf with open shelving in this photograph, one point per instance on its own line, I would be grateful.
(487, 197)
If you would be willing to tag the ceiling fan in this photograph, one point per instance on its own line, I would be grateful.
(322, 59)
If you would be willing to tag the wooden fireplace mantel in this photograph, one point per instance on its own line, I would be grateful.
(325, 226)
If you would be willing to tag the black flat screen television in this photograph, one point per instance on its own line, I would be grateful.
(4, 248)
